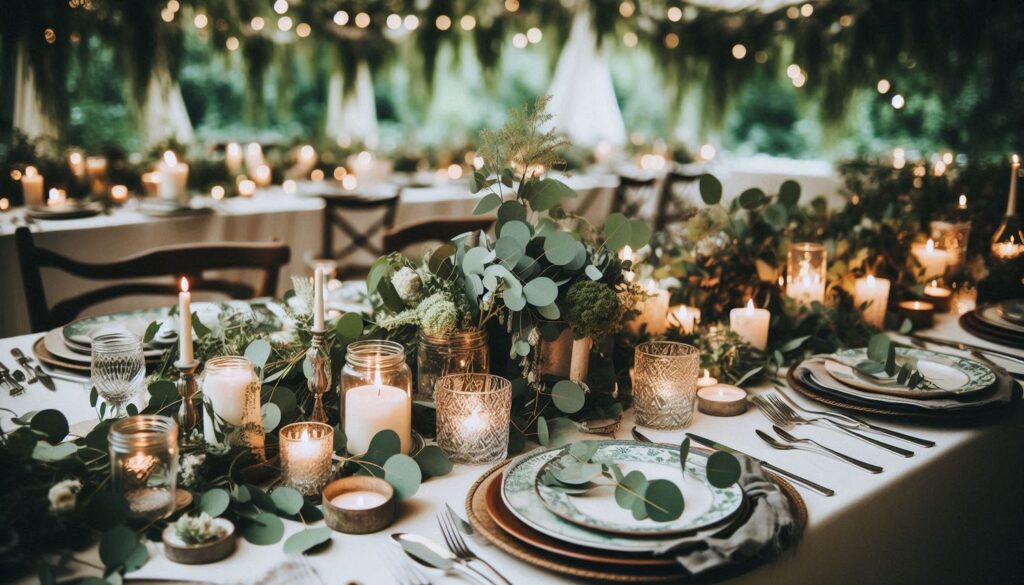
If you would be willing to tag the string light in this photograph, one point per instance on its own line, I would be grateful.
(799, 80)
(627, 9)
(257, 23)
(630, 39)
(284, 23)
(217, 192)
(898, 102)
(806, 10)
(303, 30)
(739, 51)
(883, 86)
(231, 43)
(393, 21)
(947, 157)
(362, 20)
(675, 14)
(792, 71)
(671, 40)
(443, 22)
(534, 35)
(761, 57)
(281, 6)
(339, 173)
(50, 36)
(341, 18)
(173, 5)
(512, 5)
(519, 41)
(467, 22)
(793, 12)
(201, 21)
(412, 21)
(707, 152)
(846, 20)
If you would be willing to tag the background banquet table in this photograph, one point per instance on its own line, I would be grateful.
(914, 523)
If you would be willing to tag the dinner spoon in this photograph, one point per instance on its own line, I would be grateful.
(798, 444)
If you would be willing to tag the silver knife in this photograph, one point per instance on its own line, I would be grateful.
(967, 347)
(25, 365)
(26, 362)
(6, 379)
(818, 488)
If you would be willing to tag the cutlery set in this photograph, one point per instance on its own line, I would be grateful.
(15, 380)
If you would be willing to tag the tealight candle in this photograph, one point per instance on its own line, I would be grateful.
(32, 187)
(664, 384)
(685, 317)
(262, 176)
(920, 313)
(706, 380)
(56, 198)
(871, 297)
(151, 183)
(233, 158)
(939, 296)
(306, 450)
(119, 193)
(359, 504)
(173, 179)
(96, 171)
(751, 324)
(931, 259)
(722, 400)
(246, 188)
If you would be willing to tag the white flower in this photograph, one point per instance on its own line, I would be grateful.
(407, 283)
(64, 496)
(191, 466)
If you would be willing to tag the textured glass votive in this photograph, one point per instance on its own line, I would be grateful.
(665, 384)
(473, 415)
(144, 463)
(806, 267)
(306, 450)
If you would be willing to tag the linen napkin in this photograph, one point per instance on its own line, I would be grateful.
(770, 527)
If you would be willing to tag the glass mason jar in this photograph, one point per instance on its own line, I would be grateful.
(144, 463)
(376, 393)
(473, 416)
(665, 384)
(231, 403)
(806, 273)
(461, 352)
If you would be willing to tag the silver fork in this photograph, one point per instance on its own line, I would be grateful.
(781, 414)
(403, 570)
(453, 538)
(855, 422)
(798, 442)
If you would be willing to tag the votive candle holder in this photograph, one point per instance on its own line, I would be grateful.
(473, 416)
(665, 384)
(306, 456)
(806, 267)
(144, 463)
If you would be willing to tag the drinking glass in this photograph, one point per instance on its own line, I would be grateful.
(118, 369)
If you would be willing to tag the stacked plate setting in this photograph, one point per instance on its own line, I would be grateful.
(589, 535)
(951, 385)
(1001, 323)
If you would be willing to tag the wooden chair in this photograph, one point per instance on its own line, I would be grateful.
(439, 229)
(632, 196)
(189, 260)
(671, 204)
(362, 239)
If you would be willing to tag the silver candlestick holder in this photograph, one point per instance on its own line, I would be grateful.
(188, 416)
(320, 376)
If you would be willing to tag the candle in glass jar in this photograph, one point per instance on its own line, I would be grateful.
(875, 292)
(306, 450)
(253, 157)
(32, 187)
(185, 323)
(932, 260)
(77, 164)
(939, 296)
(375, 407)
(96, 172)
(751, 324)
(173, 178)
(686, 317)
(233, 158)
(653, 311)
(225, 390)
(56, 198)
(920, 313)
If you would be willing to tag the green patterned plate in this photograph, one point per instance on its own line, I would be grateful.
(80, 333)
(519, 492)
(705, 504)
(944, 375)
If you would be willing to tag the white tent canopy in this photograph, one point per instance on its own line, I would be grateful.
(29, 118)
(163, 114)
(353, 117)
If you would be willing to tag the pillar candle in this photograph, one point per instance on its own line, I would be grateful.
(874, 291)
(932, 259)
(686, 317)
(96, 172)
(32, 187)
(751, 324)
(173, 178)
(253, 158)
(653, 311)
(185, 323)
(318, 299)
(77, 164)
(375, 407)
(225, 389)
(233, 158)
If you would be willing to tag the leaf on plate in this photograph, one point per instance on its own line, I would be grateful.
(630, 489)
(664, 501)
(723, 469)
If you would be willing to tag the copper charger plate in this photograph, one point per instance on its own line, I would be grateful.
(489, 516)
(44, 356)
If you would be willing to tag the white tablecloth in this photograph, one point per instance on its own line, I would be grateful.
(950, 514)
(271, 214)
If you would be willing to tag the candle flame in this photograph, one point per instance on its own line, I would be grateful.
(75, 158)
(963, 200)
(934, 283)
(1016, 159)
(304, 437)
(234, 148)
(30, 171)
(750, 305)
(930, 246)
(871, 280)
(170, 159)
(184, 284)
(376, 378)
(707, 374)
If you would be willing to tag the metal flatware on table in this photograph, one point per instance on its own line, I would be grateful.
(815, 487)
(25, 364)
(793, 442)
(967, 347)
(431, 554)
(50, 372)
(7, 381)
(856, 422)
(786, 417)
(984, 359)
(404, 571)
(448, 522)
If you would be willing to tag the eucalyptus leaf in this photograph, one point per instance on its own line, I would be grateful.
(577, 473)
(710, 189)
(568, 396)
(751, 198)
(402, 472)
(441, 254)
(511, 211)
(750, 374)
(542, 431)
(593, 272)
(349, 326)
(382, 446)
(49, 453)
(487, 203)
(518, 231)
(509, 250)
(475, 259)
(583, 450)
(723, 469)
(776, 216)
(433, 461)
(116, 545)
(540, 291)
(789, 193)
(684, 452)
(617, 231)
(549, 192)
(551, 312)
(560, 248)
(151, 332)
(639, 233)
(664, 500)
(906, 326)
(307, 540)
(258, 352)
(215, 502)
(878, 347)
(137, 558)
(197, 326)
(51, 423)
(287, 500)
(630, 489)
(263, 529)
(106, 509)
(870, 367)
(794, 343)
(270, 414)
(392, 300)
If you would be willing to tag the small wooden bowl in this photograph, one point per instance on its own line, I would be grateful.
(179, 551)
(359, 521)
